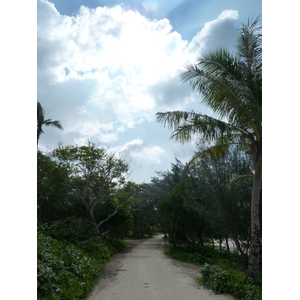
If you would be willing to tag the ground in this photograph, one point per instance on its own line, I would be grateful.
(144, 272)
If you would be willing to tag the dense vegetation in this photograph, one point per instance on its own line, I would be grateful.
(84, 213)
(86, 206)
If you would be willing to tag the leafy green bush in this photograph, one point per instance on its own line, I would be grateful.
(69, 271)
(231, 282)
(96, 248)
(63, 271)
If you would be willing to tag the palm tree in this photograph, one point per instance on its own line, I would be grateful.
(41, 121)
(231, 85)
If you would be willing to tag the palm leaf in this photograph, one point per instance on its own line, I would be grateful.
(186, 124)
(240, 179)
(217, 77)
(53, 123)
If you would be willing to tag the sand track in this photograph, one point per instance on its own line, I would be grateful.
(144, 272)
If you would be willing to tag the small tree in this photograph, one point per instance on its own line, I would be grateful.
(94, 176)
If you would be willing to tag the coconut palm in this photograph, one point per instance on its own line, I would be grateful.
(231, 85)
(41, 121)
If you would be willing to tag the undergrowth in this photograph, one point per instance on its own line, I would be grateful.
(231, 282)
(222, 271)
(69, 271)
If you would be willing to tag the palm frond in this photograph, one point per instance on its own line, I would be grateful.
(217, 150)
(218, 76)
(186, 124)
(244, 179)
(49, 122)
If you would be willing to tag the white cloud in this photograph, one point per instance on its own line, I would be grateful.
(136, 143)
(228, 14)
(137, 150)
(216, 33)
(151, 155)
(120, 53)
(105, 72)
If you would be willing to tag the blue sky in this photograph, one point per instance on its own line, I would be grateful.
(104, 68)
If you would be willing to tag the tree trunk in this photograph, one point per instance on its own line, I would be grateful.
(254, 266)
(227, 245)
(199, 237)
(39, 131)
(239, 248)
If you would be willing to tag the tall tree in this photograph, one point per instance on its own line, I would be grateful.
(231, 85)
(41, 121)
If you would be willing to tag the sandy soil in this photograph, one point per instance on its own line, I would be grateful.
(144, 272)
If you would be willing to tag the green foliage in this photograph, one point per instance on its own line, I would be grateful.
(96, 249)
(69, 271)
(231, 86)
(52, 191)
(199, 203)
(64, 272)
(94, 174)
(222, 271)
(72, 229)
(230, 282)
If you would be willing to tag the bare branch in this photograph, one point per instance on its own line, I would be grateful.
(115, 212)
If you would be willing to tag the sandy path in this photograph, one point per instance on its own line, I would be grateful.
(146, 273)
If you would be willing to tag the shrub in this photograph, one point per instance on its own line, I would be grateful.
(69, 271)
(63, 271)
(96, 248)
(231, 282)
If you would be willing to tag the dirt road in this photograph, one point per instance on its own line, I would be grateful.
(145, 273)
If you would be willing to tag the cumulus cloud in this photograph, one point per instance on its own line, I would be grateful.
(105, 72)
(171, 94)
(220, 32)
(137, 150)
(144, 159)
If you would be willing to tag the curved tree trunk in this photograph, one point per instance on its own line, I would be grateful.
(254, 266)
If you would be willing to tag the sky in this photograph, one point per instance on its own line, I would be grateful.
(106, 67)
